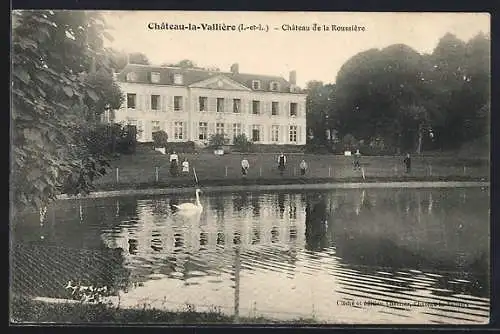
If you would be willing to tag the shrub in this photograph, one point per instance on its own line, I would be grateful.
(181, 147)
(270, 148)
(127, 142)
(242, 144)
(111, 138)
(318, 148)
(160, 138)
(218, 140)
(349, 142)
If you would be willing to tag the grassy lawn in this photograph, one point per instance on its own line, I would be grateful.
(140, 169)
(25, 310)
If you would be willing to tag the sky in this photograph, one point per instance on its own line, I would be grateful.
(314, 55)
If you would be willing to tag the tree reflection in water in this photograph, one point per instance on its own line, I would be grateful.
(255, 205)
(240, 202)
(316, 223)
(414, 228)
(281, 204)
(404, 233)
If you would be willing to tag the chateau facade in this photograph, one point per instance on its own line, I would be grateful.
(193, 104)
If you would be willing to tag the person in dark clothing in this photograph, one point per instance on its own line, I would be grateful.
(244, 167)
(281, 163)
(407, 162)
(174, 162)
(303, 167)
(357, 157)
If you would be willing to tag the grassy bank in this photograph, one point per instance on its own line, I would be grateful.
(150, 169)
(27, 310)
(185, 182)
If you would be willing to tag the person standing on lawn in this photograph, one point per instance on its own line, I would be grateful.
(281, 163)
(244, 166)
(174, 158)
(407, 162)
(185, 167)
(357, 158)
(303, 167)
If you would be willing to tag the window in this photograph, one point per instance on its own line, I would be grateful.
(274, 108)
(236, 105)
(275, 133)
(203, 131)
(178, 79)
(132, 122)
(131, 101)
(275, 86)
(255, 107)
(131, 76)
(293, 133)
(219, 128)
(236, 130)
(155, 77)
(203, 102)
(177, 103)
(255, 84)
(255, 133)
(178, 130)
(155, 102)
(155, 126)
(293, 109)
(220, 105)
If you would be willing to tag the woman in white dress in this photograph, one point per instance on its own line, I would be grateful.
(185, 167)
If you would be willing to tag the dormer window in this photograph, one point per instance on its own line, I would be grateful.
(255, 84)
(178, 79)
(275, 86)
(132, 76)
(155, 77)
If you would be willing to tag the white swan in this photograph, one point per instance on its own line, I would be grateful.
(187, 208)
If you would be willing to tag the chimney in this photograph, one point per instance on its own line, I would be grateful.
(293, 77)
(235, 69)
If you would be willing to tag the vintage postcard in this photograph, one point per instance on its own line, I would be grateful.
(193, 167)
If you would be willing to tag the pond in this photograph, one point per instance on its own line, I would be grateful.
(357, 256)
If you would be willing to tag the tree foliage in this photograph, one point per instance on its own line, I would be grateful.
(242, 144)
(186, 63)
(321, 112)
(53, 96)
(189, 64)
(138, 58)
(160, 138)
(400, 98)
(110, 95)
(218, 140)
(117, 59)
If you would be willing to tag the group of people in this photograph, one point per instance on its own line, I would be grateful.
(357, 163)
(282, 161)
(281, 165)
(174, 165)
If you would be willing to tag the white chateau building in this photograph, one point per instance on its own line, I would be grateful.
(192, 104)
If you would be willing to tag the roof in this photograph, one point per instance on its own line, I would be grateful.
(191, 76)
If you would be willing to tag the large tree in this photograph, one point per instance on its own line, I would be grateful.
(321, 112)
(117, 59)
(53, 99)
(138, 58)
(372, 88)
(413, 101)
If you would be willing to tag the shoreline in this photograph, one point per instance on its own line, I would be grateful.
(211, 186)
(27, 311)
